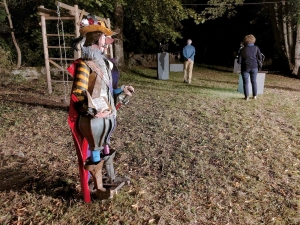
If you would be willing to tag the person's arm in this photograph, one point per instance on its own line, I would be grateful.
(193, 53)
(259, 54)
(80, 86)
(184, 53)
(239, 61)
(117, 91)
(127, 89)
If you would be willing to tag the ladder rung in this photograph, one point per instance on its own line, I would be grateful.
(56, 35)
(62, 58)
(56, 18)
(61, 81)
(58, 47)
(55, 70)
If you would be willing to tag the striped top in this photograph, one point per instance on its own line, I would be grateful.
(81, 80)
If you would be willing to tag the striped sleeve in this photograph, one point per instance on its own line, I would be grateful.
(81, 80)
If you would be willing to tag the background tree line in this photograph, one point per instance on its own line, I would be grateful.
(141, 25)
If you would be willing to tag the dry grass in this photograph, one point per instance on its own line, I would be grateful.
(196, 154)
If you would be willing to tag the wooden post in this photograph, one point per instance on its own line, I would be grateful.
(110, 46)
(46, 54)
(77, 54)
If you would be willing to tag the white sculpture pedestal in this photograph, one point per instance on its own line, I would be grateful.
(260, 80)
(176, 67)
(236, 67)
(163, 66)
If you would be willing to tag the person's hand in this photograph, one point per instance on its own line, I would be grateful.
(189, 60)
(128, 90)
(103, 114)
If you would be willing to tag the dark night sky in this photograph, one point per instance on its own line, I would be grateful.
(215, 41)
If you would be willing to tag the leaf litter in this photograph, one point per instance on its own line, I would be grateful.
(195, 154)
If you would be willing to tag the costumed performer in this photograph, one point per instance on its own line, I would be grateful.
(94, 101)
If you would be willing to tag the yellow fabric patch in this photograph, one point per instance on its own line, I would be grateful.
(82, 77)
(82, 69)
(80, 84)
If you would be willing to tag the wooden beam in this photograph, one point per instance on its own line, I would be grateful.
(110, 46)
(65, 6)
(60, 59)
(72, 11)
(48, 12)
(46, 54)
(61, 81)
(56, 35)
(58, 47)
(43, 14)
(58, 66)
(77, 54)
(62, 18)
(41, 9)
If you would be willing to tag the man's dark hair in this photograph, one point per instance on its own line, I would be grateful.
(92, 38)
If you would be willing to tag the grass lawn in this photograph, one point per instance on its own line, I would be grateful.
(196, 154)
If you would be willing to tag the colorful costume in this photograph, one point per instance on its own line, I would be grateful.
(92, 115)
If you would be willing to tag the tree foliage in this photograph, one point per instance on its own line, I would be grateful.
(218, 8)
(146, 23)
(149, 22)
(27, 30)
(294, 10)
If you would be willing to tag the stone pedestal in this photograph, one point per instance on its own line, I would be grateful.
(176, 67)
(163, 66)
(298, 74)
(236, 67)
(260, 80)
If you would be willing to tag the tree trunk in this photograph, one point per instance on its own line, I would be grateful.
(118, 27)
(13, 35)
(278, 38)
(288, 34)
(297, 52)
(282, 11)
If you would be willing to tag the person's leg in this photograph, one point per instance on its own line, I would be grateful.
(185, 67)
(245, 77)
(253, 76)
(190, 69)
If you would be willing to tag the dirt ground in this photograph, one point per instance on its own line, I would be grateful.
(195, 154)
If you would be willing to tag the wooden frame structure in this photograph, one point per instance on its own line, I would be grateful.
(73, 13)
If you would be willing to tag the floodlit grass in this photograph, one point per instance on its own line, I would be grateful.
(196, 154)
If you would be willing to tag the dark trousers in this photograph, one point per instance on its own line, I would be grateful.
(252, 73)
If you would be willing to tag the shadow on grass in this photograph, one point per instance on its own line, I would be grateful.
(180, 87)
(19, 174)
(214, 68)
(141, 74)
(222, 82)
(32, 101)
(282, 88)
(227, 90)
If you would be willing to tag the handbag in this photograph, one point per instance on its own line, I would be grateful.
(260, 62)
